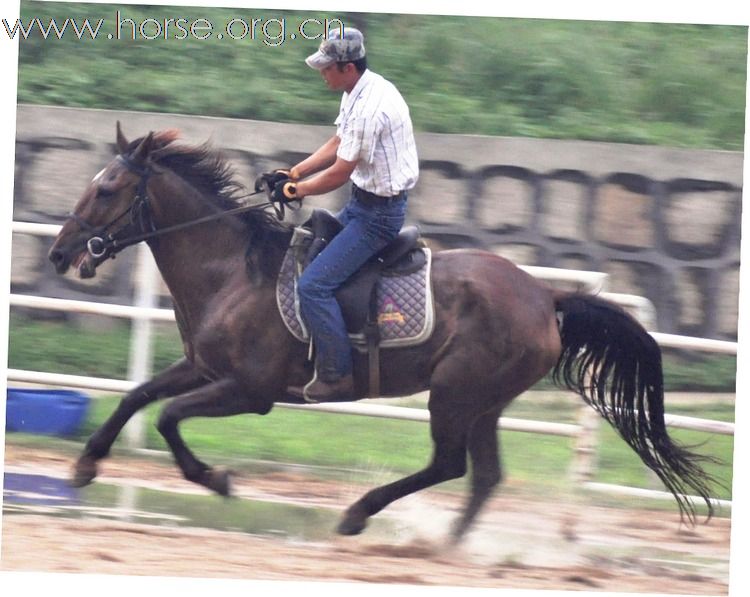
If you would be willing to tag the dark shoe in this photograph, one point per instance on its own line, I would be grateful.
(296, 392)
(340, 390)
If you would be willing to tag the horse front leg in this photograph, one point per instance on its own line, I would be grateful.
(221, 398)
(180, 377)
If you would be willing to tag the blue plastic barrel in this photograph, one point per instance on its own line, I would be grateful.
(47, 412)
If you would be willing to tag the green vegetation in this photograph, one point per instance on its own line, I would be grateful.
(383, 449)
(666, 84)
(380, 447)
(676, 85)
(99, 348)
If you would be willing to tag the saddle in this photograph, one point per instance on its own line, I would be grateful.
(356, 297)
(387, 303)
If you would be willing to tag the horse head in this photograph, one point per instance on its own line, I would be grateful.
(107, 210)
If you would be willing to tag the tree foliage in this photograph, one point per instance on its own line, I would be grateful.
(666, 84)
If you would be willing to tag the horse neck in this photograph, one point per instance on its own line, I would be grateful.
(197, 260)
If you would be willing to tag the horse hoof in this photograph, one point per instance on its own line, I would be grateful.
(455, 537)
(458, 532)
(219, 480)
(84, 472)
(354, 523)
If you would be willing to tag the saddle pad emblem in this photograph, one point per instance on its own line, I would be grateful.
(405, 306)
(390, 313)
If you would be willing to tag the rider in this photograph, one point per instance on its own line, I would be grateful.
(373, 147)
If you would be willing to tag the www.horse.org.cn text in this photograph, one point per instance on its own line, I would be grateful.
(269, 31)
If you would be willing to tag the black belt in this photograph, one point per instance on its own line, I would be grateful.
(371, 199)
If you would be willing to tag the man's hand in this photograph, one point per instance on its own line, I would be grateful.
(285, 191)
(269, 180)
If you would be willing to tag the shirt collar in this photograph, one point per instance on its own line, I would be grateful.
(363, 81)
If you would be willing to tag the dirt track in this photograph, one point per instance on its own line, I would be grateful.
(623, 561)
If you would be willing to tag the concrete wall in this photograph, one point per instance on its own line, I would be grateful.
(664, 222)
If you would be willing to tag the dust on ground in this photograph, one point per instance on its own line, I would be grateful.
(622, 562)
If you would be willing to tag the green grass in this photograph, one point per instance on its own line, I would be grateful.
(99, 348)
(666, 84)
(677, 85)
(619, 465)
(391, 447)
(386, 448)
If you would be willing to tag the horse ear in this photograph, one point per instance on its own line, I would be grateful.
(141, 152)
(165, 140)
(122, 142)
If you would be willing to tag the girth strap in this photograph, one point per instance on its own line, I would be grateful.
(372, 334)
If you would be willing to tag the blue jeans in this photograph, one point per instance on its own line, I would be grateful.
(367, 229)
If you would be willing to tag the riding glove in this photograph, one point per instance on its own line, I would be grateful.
(268, 180)
(284, 191)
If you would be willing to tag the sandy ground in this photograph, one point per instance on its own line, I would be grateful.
(518, 544)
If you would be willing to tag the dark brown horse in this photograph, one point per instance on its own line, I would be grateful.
(497, 332)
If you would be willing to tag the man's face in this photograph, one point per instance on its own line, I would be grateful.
(338, 80)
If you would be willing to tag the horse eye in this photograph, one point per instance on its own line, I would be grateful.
(104, 192)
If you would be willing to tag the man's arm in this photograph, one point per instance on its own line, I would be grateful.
(329, 179)
(322, 158)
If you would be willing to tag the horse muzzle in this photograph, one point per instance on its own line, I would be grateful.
(85, 261)
(60, 259)
(87, 266)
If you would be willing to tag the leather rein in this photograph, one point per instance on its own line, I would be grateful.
(106, 244)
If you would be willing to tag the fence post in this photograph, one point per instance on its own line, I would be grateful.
(140, 363)
(582, 469)
(584, 458)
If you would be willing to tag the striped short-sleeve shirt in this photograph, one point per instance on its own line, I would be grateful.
(375, 130)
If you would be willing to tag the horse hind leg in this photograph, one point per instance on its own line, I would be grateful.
(449, 434)
(486, 472)
(179, 377)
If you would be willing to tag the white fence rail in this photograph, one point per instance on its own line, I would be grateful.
(144, 313)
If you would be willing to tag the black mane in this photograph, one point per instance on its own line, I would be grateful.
(207, 169)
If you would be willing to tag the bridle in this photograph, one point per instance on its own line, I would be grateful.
(105, 244)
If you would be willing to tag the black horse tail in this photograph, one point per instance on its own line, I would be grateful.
(610, 360)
